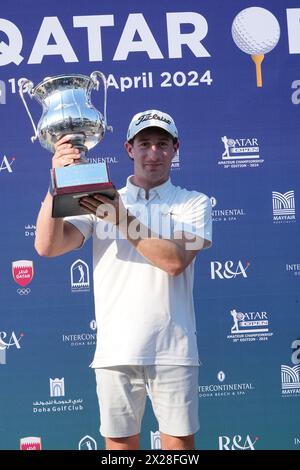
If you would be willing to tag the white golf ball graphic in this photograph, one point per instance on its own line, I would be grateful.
(256, 31)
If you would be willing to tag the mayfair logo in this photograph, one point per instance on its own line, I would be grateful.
(284, 210)
(290, 380)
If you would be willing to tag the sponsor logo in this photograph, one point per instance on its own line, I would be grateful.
(290, 380)
(297, 441)
(237, 442)
(228, 270)
(87, 443)
(108, 160)
(293, 268)
(22, 271)
(81, 339)
(7, 342)
(57, 387)
(225, 215)
(284, 207)
(7, 164)
(29, 230)
(223, 389)
(175, 165)
(155, 440)
(240, 153)
(249, 326)
(2, 92)
(80, 276)
(31, 443)
(55, 405)
(290, 376)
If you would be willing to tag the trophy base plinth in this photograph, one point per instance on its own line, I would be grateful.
(70, 184)
(66, 200)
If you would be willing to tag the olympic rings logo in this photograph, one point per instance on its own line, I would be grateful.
(24, 291)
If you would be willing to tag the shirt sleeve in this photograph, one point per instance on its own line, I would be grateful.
(84, 223)
(195, 217)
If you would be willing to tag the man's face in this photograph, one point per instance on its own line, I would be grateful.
(152, 151)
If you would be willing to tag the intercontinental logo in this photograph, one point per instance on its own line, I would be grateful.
(225, 390)
(293, 268)
(284, 210)
(81, 338)
(249, 326)
(240, 153)
(108, 160)
(225, 215)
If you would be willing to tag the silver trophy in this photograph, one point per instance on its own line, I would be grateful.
(67, 109)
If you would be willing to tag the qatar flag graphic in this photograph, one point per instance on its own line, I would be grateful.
(22, 272)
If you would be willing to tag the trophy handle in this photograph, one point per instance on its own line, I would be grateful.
(25, 86)
(101, 75)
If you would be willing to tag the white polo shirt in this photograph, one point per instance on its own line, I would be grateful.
(145, 316)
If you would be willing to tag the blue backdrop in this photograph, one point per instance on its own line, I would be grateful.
(239, 145)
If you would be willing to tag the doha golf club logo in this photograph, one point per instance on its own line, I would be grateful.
(256, 32)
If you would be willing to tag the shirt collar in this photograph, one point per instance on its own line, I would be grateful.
(161, 191)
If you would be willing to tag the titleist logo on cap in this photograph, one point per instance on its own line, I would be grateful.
(147, 117)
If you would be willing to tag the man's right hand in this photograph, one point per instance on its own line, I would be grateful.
(65, 153)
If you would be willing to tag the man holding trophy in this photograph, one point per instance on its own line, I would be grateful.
(145, 239)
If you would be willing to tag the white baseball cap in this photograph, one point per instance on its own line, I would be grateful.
(151, 118)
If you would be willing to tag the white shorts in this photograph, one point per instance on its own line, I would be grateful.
(122, 392)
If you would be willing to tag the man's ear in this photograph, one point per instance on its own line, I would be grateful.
(128, 148)
(176, 147)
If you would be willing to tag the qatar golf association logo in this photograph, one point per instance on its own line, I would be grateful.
(256, 32)
(80, 276)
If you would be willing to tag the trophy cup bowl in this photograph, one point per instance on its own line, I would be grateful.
(67, 110)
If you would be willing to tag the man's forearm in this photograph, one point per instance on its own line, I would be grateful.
(49, 231)
(164, 254)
